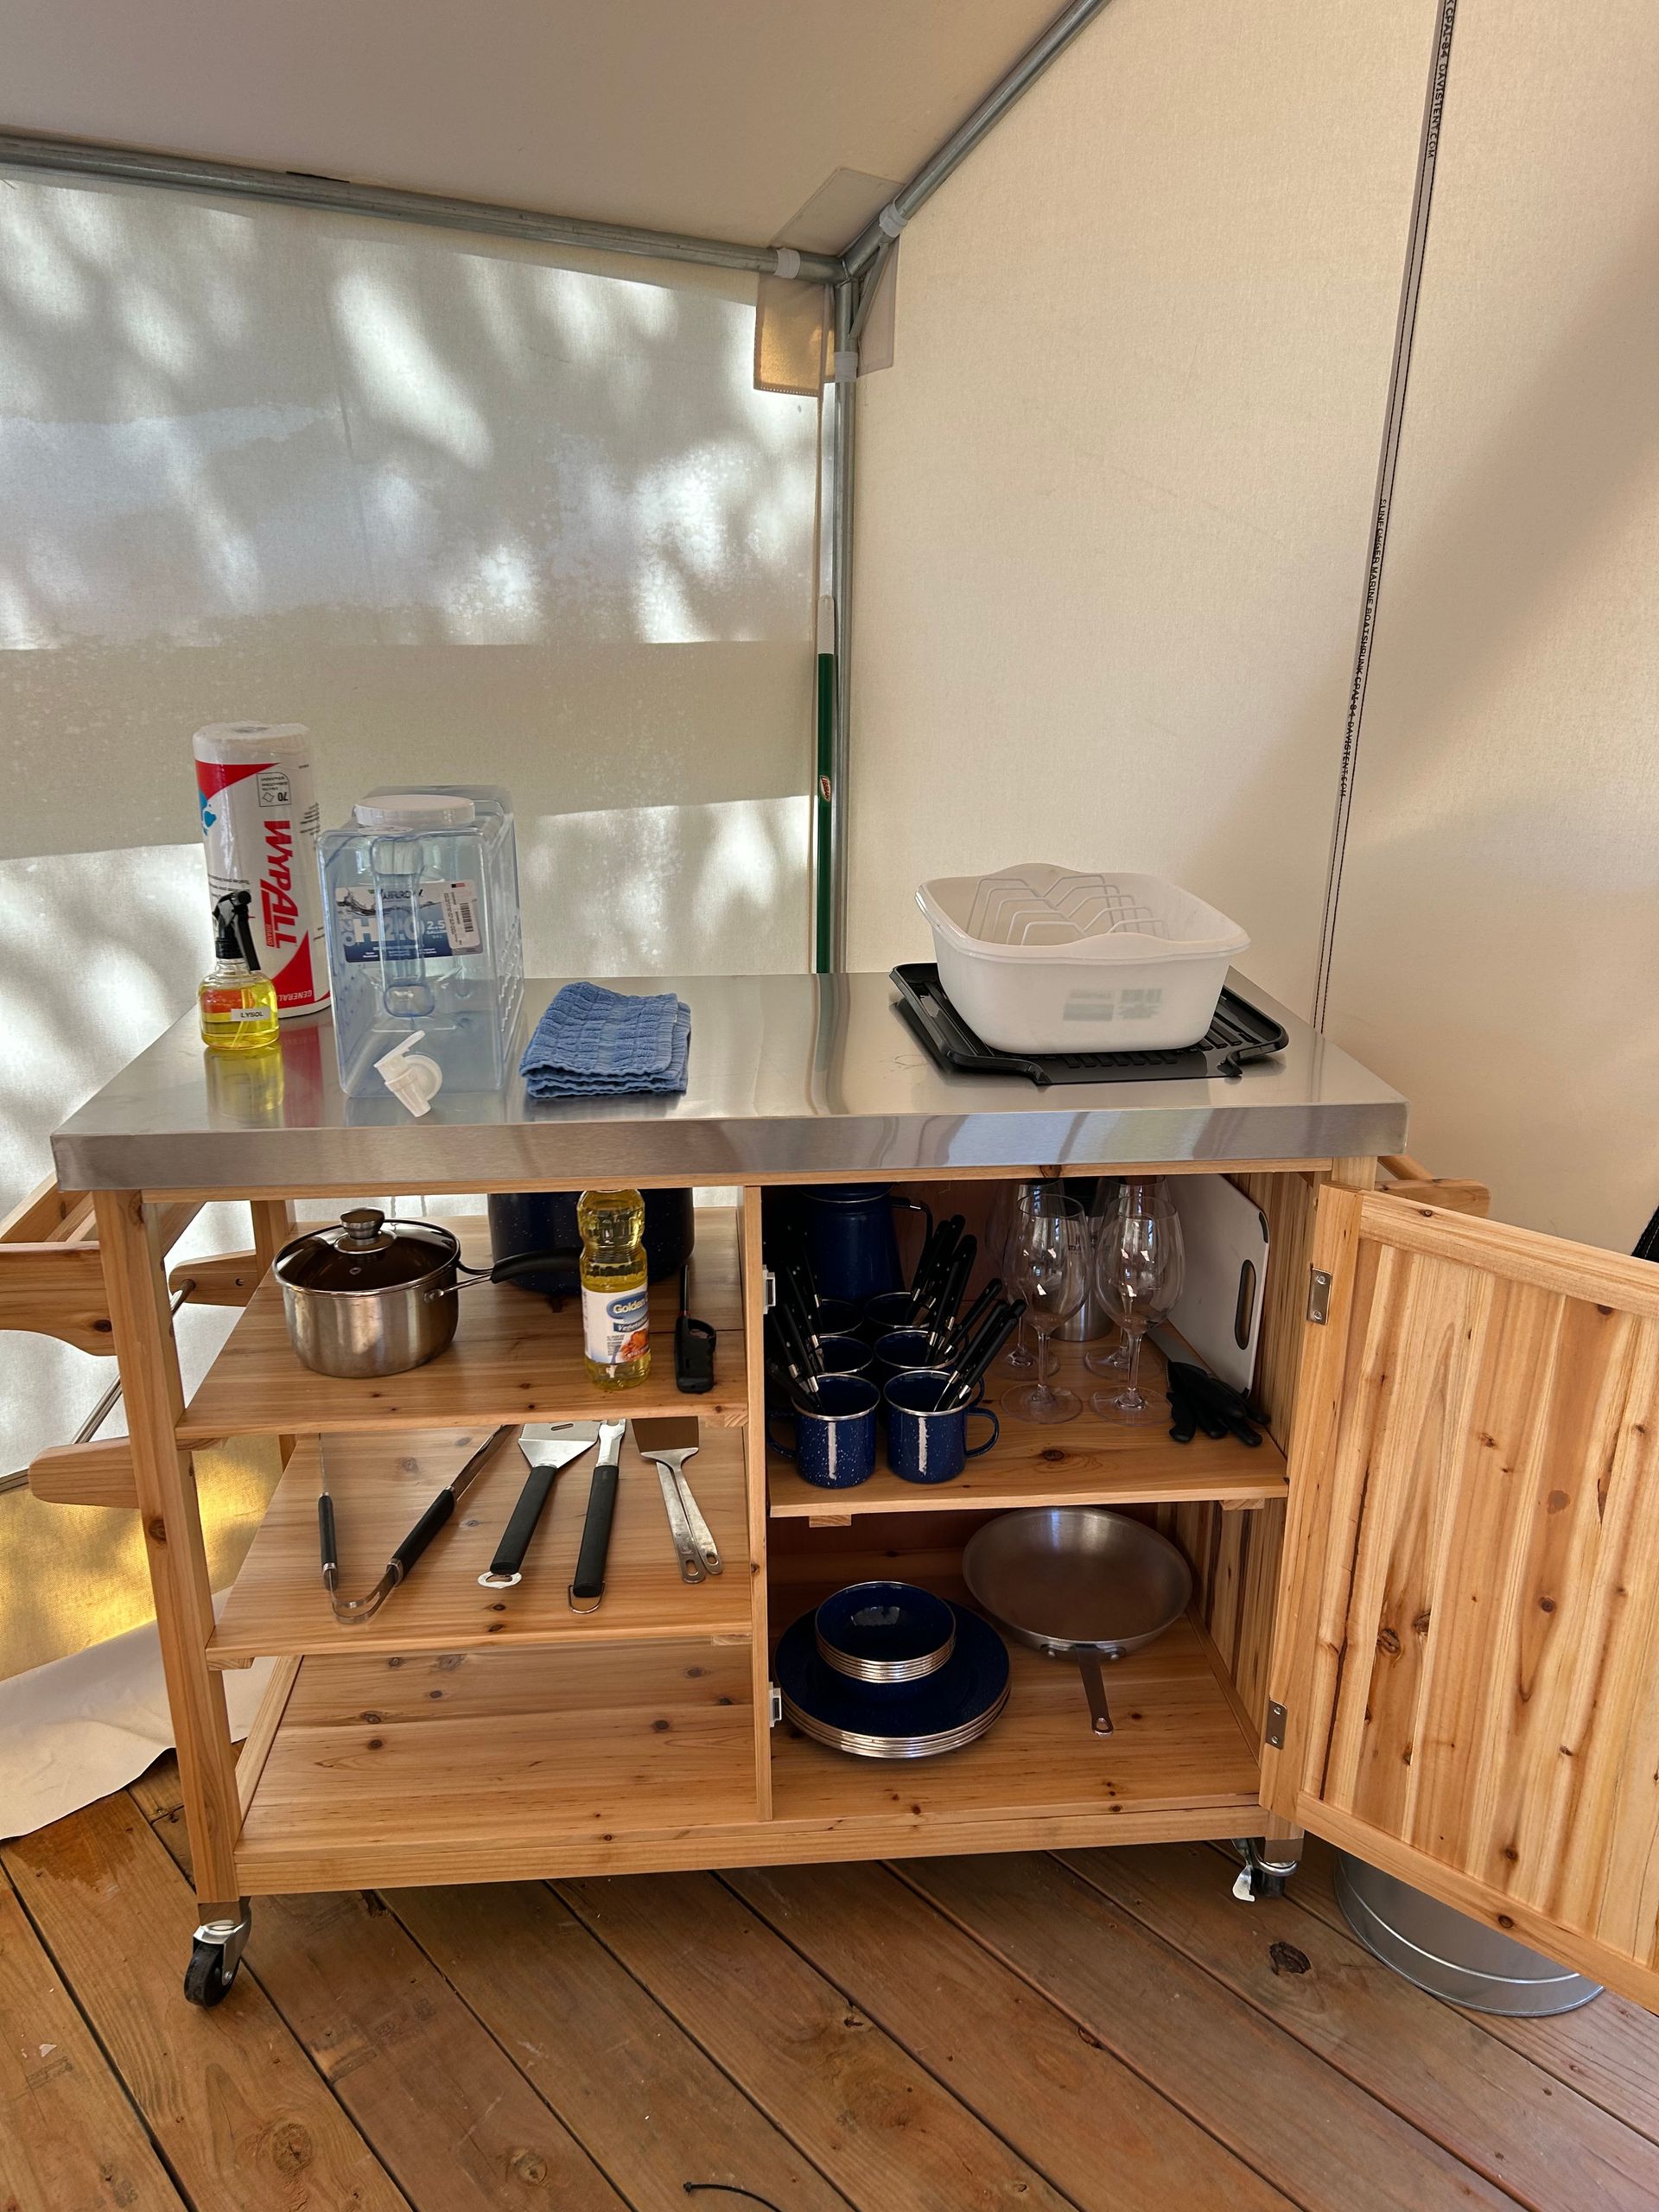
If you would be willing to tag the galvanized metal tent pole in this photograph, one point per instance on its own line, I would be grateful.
(175, 172)
(845, 403)
(968, 133)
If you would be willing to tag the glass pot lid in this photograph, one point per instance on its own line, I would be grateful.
(363, 1251)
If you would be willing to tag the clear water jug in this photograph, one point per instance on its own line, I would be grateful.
(421, 907)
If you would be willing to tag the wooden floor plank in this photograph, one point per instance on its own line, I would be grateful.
(1607, 2050)
(648, 2103)
(1081, 2116)
(1490, 2107)
(157, 1790)
(1291, 2117)
(446, 2110)
(69, 2139)
(233, 2103)
(854, 2104)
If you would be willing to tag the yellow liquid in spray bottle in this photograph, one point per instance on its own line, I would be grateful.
(237, 1004)
(615, 1321)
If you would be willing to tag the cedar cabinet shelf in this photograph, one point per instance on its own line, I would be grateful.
(1458, 1493)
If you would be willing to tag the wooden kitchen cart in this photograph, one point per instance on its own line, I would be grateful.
(1427, 1611)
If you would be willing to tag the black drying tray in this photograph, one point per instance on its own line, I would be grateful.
(1240, 1033)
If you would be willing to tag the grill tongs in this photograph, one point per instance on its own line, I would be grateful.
(352, 1612)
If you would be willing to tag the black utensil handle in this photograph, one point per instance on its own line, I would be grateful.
(992, 1338)
(529, 1263)
(925, 1258)
(693, 1354)
(422, 1533)
(326, 1538)
(1243, 1430)
(951, 1289)
(796, 1348)
(795, 1284)
(589, 1581)
(963, 1329)
(521, 1526)
(950, 1237)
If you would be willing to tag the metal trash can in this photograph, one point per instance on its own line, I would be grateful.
(1449, 1955)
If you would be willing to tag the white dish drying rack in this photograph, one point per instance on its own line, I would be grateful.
(1039, 959)
(1013, 909)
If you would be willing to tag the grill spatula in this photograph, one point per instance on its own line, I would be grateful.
(671, 1442)
(548, 1446)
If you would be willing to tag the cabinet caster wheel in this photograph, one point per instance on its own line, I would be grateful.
(215, 1956)
(1259, 1877)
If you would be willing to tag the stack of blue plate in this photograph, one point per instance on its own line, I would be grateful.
(886, 1671)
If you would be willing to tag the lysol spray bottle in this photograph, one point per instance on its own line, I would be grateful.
(259, 818)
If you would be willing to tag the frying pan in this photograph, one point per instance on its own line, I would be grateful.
(1078, 1582)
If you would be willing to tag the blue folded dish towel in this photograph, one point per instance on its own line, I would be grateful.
(593, 1043)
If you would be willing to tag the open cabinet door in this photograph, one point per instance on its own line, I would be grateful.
(1467, 1649)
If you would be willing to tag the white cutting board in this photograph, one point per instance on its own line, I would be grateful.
(1225, 1235)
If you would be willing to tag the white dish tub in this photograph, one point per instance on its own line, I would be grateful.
(1042, 959)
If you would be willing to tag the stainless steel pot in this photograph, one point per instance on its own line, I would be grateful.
(365, 1297)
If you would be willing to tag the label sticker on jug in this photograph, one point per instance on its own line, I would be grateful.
(449, 923)
(615, 1324)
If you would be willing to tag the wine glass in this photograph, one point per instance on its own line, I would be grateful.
(1138, 1273)
(1003, 1242)
(1112, 1360)
(1049, 1268)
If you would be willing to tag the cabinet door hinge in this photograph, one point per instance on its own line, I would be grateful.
(768, 1290)
(1275, 1728)
(774, 1704)
(1318, 1295)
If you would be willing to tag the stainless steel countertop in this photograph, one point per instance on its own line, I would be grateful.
(787, 1072)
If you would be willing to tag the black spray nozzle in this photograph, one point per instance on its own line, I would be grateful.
(232, 933)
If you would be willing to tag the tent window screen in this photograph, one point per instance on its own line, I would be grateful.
(472, 510)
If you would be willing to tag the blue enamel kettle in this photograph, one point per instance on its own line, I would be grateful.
(849, 1237)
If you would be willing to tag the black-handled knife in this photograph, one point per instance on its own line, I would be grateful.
(961, 1334)
(936, 1247)
(798, 1355)
(951, 1287)
(588, 1583)
(797, 1293)
(992, 1336)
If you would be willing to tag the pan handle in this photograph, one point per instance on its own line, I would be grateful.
(1094, 1683)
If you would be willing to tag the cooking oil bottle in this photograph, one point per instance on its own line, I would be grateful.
(237, 1005)
(615, 1317)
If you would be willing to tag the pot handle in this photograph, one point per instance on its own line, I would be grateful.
(517, 1263)
(1094, 1683)
(528, 1263)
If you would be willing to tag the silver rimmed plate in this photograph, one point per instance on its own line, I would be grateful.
(894, 1747)
(917, 1719)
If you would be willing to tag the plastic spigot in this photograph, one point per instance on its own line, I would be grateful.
(413, 1077)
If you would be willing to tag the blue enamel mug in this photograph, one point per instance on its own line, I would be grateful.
(907, 1351)
(894, 1309)
(837, 1317)
(900, 1351)
(844, 1354)
(927, 1446)
(834, 1447)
